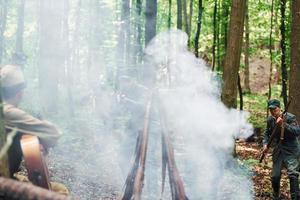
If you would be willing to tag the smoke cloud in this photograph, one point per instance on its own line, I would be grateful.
(203, 128)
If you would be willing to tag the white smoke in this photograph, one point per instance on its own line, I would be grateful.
(204, 129)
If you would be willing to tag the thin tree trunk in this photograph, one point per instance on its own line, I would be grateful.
(20, 29)
(3, 16)
(295, 59)
(283, 51)
(240, 92)
(218, 36)
(200, 11)
(121, 54)
(51, 59)
(139, 30)
(215, 35)
(191, 15)
(170, 14)
(4, 168)
(75, 57)
(179, 14)
(271, 55)
(150, 26)
(233, 53)
(150, 32)
(247, 46)
(224, 29)
(67, 52)
(185, 17)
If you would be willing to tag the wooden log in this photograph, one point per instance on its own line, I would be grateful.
(15, 190)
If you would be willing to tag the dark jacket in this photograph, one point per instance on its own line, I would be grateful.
(290, 144)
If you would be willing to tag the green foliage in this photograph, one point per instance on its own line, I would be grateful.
(256, 105)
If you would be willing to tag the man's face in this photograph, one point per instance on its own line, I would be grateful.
(275, 112)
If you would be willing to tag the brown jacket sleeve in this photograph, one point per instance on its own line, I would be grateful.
(27, 124)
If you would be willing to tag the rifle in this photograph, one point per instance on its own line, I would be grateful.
(175, 180)
(135, 178)
(274, 133)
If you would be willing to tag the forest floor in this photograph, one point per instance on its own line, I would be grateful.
(76, 161)
(250, 153)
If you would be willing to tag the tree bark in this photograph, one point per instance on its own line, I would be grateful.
(15, 190)
(185, 17)
(179, 14)
(246, 50)
(191, 15)
(3, 16)
(170, 14)
(295, 59)
(233, 53)
(215, 35)
(150, 26)
(199, 21)
(4, 168)
(225, 15)
(271, 56)
(284, 77)
(139, 31)
(51, 60)
(20, 28)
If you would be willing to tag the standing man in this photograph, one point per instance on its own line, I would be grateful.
(286, 150)
(12, 88)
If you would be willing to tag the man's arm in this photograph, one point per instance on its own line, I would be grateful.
(27, 124)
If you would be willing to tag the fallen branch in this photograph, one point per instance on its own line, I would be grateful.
(15, 190)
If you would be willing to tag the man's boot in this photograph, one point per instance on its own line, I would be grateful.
(294, 188)
(276, 193)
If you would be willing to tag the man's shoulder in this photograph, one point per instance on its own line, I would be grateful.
(290, 116)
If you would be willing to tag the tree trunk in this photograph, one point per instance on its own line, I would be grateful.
(20, 28)
(233, 53)
(271, 56)
(139, 31)
(170, 14)
(67, 54)
(283, 51)
(51, 55)
(200, 11)
(4, 169)
(148, 76)
(185, 17)
(224, 29)
(246, 50)
(3, 16)
(191, 15)
(75, 57)
(215, 35)
(240, 92)
(179, 14)
(295, 59)
(150, 26)
(16, 190)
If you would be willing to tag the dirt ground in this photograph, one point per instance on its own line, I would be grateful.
(259, 72)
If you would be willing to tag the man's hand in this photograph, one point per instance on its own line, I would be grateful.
(279, 121)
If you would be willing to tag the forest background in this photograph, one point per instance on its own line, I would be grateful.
(75, 47)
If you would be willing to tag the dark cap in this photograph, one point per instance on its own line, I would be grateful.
(273, 103)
